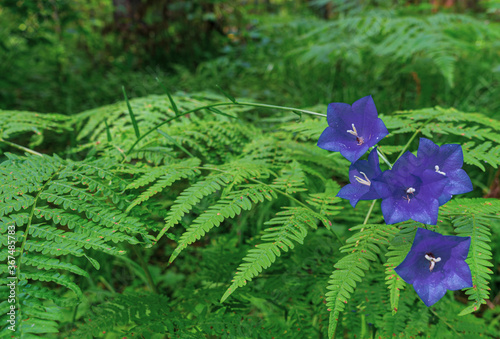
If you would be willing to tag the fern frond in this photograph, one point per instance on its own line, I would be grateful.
(467, 326)
(393, 325)
(47, 263)
(316, 157)
(57, 278)
(149, 175)
(183, 169)
(233, 174)
(482, 154)
(88, 218)
(227, 207)
(477, 227)
(15, 123)
(309, 129)
(291, 179)
(154, 315)
(266, 149)
(473, 217)
(362, 247)
(326, 203)
(82, 225)
(289, 226)
(193, 195)
(399, 247)
(203, 131)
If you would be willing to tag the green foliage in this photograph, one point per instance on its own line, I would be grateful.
(151, 315)
(473, 218)
(362, 248)
(177, 215)
(288, 227)
(57, 211)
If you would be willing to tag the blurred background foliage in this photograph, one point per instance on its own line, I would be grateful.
(68, 56)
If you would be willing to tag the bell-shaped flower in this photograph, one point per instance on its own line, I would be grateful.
(446, 160)
(408, 193)
(435, 264)
(361, 173)
(352, 130)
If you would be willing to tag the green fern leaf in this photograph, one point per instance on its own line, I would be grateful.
(289, 226)
(57, 278)
(227, 207)
(175, 172)
(362, 248)
(473, 217)
(48, 263)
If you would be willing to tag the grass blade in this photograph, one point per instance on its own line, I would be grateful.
(174, 106)
(216, 111)
(227, 95)
(168, 137)
(132, 116)
(108, 133)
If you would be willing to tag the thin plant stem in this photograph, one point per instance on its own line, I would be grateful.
(145, 268)
(366, 219)
(22, 148)
(381, 154)
(215, 105)
(283, 108)
(413, 136)
(444, 321)
(107, 284)
(369, 213)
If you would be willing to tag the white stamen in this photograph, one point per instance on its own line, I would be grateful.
(353, 131)
(432, 260)
(364, 181)
(438, 171)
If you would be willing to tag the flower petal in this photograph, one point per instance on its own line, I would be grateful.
(336, 113)
(366, 105)
(352, 130)
(449, 272)
(458, 276)
(352, 193)
(365, 171)
(430, 290)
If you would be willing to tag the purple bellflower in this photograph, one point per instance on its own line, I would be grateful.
(435, 264)
(446, 160)
(360, 175)
(352, 130)
(407, 192)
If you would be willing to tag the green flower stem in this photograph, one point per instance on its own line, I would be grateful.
(381, 154)
(413, 136)
(22, 148)
(220, 104)
(280, 108)
(369, 213)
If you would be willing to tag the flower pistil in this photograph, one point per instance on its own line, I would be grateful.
(432, 260)
(409, 191)
(354, 132)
